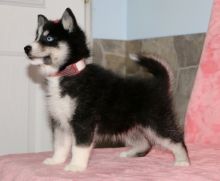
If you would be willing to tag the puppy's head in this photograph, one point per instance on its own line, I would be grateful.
(58, 43)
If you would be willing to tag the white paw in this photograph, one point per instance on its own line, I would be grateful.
(52, 161)
(124, 154)
(74, 168)
(184, 163)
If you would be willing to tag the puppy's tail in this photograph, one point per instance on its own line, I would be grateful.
(156, 67)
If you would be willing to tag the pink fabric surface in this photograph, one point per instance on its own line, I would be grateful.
(203, 116)
(105, 165)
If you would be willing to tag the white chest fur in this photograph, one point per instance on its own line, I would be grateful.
(60, 108)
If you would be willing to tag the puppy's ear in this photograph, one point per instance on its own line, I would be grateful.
(68, 20)
(42, 20)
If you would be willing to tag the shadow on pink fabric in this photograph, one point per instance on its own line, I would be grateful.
(202, 136)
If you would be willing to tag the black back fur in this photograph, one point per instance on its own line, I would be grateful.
(112, 105)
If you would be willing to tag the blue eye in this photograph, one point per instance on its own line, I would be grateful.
(50, 38)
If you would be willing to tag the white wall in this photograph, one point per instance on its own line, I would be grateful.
(149, 18)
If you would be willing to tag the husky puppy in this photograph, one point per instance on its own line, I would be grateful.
(87, 103)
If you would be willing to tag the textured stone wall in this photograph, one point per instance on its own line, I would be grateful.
(182, 53)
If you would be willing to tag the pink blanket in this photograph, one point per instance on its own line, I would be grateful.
(105, 165)
(202, 135)
(203, 116)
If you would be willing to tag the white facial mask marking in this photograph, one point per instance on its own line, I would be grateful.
(45, 33)
(38, 61)
(37, 50)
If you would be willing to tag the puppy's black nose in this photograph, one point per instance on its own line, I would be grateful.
(27, 49)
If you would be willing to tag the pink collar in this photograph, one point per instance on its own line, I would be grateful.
(72, 69)
(56, 21)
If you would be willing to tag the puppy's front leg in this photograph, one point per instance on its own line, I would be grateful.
(83, 127)
(80, 158)
(62, 145)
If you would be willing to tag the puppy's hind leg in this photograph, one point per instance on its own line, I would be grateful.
(178, 149)
(140, 146)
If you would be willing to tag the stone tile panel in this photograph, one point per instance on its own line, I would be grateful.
(188, 49)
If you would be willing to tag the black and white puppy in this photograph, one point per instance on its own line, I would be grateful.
(87, 103)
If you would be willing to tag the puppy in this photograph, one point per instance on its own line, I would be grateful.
(87, 103)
